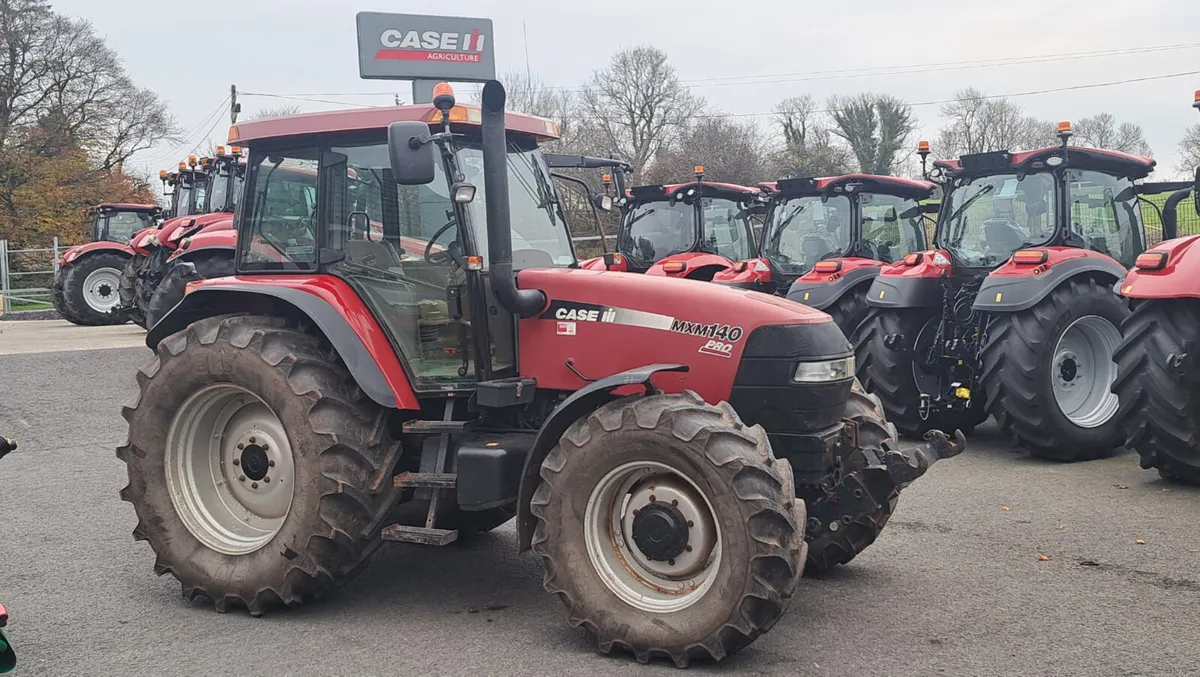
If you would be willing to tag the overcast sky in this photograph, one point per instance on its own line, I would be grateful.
(190, 54)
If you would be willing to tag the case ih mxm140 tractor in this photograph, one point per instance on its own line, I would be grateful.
(1013, 313)
(335, 394)
(825, 239)
(1158, 380)
(689, 230)
(85, 286)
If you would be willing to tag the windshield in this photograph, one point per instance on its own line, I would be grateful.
(804, 230)
(199, 191)
(655, 230)
(183, 200)
(219, 193)
(122, 225)
(989, 217)
(892, 226)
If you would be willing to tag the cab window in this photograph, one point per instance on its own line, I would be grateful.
(892, 226)
(280, 226)
(727, 229)
(1105, 215)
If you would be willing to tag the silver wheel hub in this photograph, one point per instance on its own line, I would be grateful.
(229, 469)
(1083, 371)
(100, 289)
(652, 537)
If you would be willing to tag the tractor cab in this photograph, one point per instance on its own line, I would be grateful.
(825, 239)
(191, 184)
(113, 222)
(690, 230)
(226, 171)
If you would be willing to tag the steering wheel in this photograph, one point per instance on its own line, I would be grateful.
(871, 249)
(443, 257)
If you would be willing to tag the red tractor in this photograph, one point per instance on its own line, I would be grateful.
(85, 284)
(337, 393)
(689, 230)
(207, 194)
(1013, 313)
(825, 239)
(1157, 378)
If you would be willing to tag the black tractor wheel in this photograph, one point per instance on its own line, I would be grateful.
(832, 548)
(58, 296)
(894, 376)
(90, 289)
(256, 465)
(668, 529)
(849, 311)
(174, 284)
(1160, 405)
(1048, 372)
(128, 290)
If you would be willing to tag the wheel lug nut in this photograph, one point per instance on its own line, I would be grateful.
(687, 548)
(267, 478)
(252, 440)
(237, 461)
(241, 446)
(254, 485)
(671, 562)
(270, 464)
(265, 446)
(241, 478)
(674, 501)
(652, 498)
(691, 524)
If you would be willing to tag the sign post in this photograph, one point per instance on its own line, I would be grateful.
(424, 49)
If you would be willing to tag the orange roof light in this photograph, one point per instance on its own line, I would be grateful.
(442, 89)
(182, 166)
(236, 150)
(162, 175)
(1030, 257)
(192, 160)
(220, 150)
(699, 169)
(1064, 127)
(1152, 261)
(922, 146)
(474, 262)
(1197, 99)
(828, 266)
(674, 266)
(606, 178)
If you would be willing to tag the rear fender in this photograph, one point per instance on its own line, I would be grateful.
(1180, 278)
(579, 404)
(327, 302)
(821, 290)
(899, 285)
(754, 274)
(72, 255)
(1015, 287)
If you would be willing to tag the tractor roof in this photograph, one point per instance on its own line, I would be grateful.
(728, 191)
(363, 119)
(124, 207)
(865, 183)
(1078, 157)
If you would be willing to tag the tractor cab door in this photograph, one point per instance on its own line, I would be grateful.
(98, 225)
(890, 227)
(1105, 215)
(727, 231)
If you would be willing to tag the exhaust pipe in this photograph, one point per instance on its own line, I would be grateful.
(521, 302)
(1170, 213)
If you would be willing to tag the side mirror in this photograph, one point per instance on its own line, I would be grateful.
(603, 202)
(411, 153)
(1196, 192)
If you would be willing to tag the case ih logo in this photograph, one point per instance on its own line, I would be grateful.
(431, 46)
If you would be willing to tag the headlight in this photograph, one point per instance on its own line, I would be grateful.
(823, 372)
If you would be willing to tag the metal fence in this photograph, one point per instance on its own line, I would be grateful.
(26, 276)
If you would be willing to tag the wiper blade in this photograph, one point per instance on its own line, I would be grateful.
(970, 201)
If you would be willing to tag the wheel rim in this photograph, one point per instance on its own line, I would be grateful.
(229, 469)
(652, 537)
(101, 289)
(1083, 371)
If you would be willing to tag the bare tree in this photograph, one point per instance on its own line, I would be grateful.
(875, 126)
(638, 105)
(275, 112)
(1189, 150)
(1102, 131)
(809, 146)
(976, 123)
(729, 150)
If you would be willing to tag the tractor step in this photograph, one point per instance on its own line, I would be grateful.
(435, 427)
(419, 535)
(426, 480)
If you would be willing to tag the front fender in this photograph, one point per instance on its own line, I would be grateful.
(579, 404)
(1179, 278)
(821, 290)
(327, 302)
(1012, 287)
(206, 240)
(75, 253)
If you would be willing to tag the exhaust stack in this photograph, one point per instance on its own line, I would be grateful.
(521, 302)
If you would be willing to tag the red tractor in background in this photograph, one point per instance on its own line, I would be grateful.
(1158, 382)
(337, 393)
(206, 192)
(85, 284)
(825, 239)
(1013, 313)
(689, 230)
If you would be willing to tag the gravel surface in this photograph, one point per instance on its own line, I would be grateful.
(954, 585)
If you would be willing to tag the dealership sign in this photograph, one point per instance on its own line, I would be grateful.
(420, 47)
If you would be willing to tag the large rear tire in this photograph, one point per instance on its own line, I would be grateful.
(90, 288)
(616, 493)
(257, 468)
(849, 311)
(128, 290)
(57, 295)
(1159, 410)
(892, 375)
(874, 433)
(1048, 372)
(173, 287)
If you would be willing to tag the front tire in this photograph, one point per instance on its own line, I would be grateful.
(1159, 410)
(621, 558)
(226, 404)
(1048, 372)
(90, 289)
(128, 290)
(895, 377)
(57, 295)
(173, 286)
